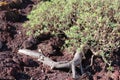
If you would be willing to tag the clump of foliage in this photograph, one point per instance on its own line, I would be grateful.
(92, 22)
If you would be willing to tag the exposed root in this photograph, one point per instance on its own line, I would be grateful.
(91, 62)
(76, 61)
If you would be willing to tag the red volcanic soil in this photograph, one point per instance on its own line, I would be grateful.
(14, 66)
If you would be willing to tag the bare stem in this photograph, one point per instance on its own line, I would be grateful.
(76, 61)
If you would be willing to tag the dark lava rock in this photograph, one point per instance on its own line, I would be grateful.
(29, 62)
(12, 16)
(1, 44)
(27, 44)
(12, 71)
(30, 43)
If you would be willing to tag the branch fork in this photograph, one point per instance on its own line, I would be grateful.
(76, 61)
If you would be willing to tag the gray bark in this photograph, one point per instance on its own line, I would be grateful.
(76, 61)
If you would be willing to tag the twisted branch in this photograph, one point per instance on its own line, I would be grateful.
(76, 61)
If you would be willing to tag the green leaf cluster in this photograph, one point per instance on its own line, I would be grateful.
(92, 22)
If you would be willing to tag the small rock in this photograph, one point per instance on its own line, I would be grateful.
(12, 16)
(26, 61)
(85, 76)
(26, 69)
(16, 60)
(1, 44)
(46, 48)
(69, 78)
(29, 43)
(29, 62)
(12, 71)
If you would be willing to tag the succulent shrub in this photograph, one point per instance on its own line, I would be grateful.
(92, 22)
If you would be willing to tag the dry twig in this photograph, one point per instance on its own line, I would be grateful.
(76, 61)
